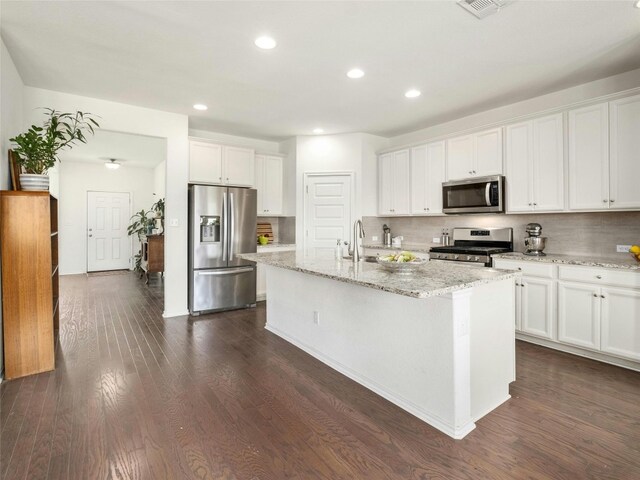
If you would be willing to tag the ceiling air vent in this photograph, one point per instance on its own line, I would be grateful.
(482, 8)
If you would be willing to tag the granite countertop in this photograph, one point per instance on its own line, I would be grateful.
(411, 247)
(276, 245)
(622, 261)
(432, 279)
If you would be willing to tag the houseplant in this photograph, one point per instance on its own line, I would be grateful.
(158, 209)
(37, 149)
(141, 224)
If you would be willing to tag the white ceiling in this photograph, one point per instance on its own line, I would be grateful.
(170, 55)
(130, 150)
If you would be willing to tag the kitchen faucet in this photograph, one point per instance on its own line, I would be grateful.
(358, 233)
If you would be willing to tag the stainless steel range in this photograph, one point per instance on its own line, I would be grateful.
(475, 245)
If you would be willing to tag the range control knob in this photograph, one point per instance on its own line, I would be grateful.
(469, 257)
(476, 259)
(456, 257)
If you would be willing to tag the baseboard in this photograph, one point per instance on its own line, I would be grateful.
(182, 313)
(415, 410)
(261, 297)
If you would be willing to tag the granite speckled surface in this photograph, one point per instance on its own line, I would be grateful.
(273, 245)
(409, 247)
(430, 280)
(627, 263)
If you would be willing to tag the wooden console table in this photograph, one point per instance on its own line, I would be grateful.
(152, 255)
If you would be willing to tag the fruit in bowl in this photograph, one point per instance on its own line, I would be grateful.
(635, 251)
(263, 239)
(402, 257)
(403, 262)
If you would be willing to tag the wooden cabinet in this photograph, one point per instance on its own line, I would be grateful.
(269, 183)
(221, 164)
(30, 313)
(534, 165)
(624, 161)
(475, 155)
(152, 260)
(394, 183)
(589, 158)
(427, 174)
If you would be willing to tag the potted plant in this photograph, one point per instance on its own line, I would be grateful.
(158, 208)
(141, 224)
(36, 150)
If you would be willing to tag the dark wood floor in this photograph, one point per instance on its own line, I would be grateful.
(138, 397)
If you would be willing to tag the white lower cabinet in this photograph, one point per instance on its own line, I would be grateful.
(537, 307)
(620, 322)
(579, 314)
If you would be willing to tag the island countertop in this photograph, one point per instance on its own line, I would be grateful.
(432, 279)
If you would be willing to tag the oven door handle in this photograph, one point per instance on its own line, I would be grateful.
(487, 194)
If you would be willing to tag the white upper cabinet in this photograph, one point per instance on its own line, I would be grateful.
(220, 164)
(427, 175)
(205, 162)
(394, 183)
(534, 166)
(589, 158)
(475, 155)
(625, 152)
(269, 178)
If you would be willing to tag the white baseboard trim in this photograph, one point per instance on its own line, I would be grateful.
(491, 409)
(600, 357)
(175, 314)
(436, 422)
(261, 297)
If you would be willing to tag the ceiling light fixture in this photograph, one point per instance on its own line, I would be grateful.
(265, 43)
(413, 93)
(200, 106)
(112, 164)
(355, 73)
(318, 131)
(637, 4)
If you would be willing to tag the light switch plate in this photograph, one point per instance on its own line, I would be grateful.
(436, 239)
(374, 238)
(623, 248)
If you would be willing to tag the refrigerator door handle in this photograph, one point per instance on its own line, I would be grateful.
(225, 271)
(232, 226)
(224, 226)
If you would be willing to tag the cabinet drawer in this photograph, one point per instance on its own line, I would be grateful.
(600, 276)
(531, 269)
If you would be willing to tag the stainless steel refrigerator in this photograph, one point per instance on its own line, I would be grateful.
(222, 224)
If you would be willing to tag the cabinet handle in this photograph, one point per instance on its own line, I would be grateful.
(601, 296)
(519, 268)
(531, 204)
(522, 285)
(470, 172)
(599, 277)
(535, 204)
(604, 201)
(612, 200)
(595, 295)
(474, 171)
(425, 209)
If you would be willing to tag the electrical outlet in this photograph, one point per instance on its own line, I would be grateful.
(623, 248)
(173, 222)
(436, 239)
(374, 238)
(316, 317)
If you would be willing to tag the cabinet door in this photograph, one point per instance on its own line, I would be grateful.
(205, 162)
(518, 306)
(261, 282)
(260, 184)
(537, 298)
(624, 164)
(401, 183)
(488, 153)
(460, 157)
(239, 166)
(385, 184)
(589, 158)
(273, 171)
(620, 330)
(435, 176)
(579, 314)
(519, 167)
(548, 164)
(419, 181)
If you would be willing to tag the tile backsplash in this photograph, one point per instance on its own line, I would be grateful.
(284, 228)
(594, 234)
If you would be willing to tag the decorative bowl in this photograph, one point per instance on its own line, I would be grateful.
(403, 268)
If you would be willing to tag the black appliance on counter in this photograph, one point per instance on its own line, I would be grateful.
(474, 246)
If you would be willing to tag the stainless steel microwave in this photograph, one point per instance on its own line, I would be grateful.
(474, 195)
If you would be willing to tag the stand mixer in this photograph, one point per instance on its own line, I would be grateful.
(534, 242)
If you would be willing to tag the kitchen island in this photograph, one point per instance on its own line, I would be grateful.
(439, 343)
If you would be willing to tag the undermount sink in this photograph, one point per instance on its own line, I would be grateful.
(365, 258)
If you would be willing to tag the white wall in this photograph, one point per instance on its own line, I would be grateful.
(288, 149)
(11, 110)
(120, 117)
(160, 181)
(507, 113)
(261, 146)
(76, 179)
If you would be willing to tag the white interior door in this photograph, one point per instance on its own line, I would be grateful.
(328, 215)
(108, 245)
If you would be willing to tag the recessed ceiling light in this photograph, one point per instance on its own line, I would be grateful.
(200, 106)
(112, 164)
(318, 131)
(266, 43)
(355, 73)
(637, 4)
(413, 93)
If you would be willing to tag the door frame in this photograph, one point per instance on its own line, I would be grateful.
(305, 205)
(86, 227)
